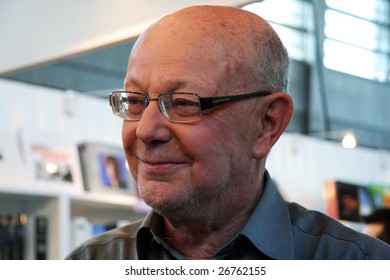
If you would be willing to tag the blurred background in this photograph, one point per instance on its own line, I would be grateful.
(60, 59)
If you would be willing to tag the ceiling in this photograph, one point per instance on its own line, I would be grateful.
(94, 73)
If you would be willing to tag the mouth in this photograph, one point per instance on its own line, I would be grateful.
(161, 162)
(160, 166)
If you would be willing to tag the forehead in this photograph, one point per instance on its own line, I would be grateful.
(176, 61)
(159, 78)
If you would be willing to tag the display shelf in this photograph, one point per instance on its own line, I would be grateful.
(102, 207)
(26, 192)
(60, 207)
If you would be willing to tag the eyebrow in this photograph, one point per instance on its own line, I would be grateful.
(130, 82)
(173, 84)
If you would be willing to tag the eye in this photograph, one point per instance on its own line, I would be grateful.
(134, 100)
(184, 103)
(134, 105)
(185, 106)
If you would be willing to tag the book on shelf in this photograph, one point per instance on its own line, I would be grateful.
(41, 237)
(12, 236)
(51, 159)
(352, 202)
(380, 195)
(19, 240)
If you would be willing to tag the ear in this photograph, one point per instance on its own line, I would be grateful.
(277, 109)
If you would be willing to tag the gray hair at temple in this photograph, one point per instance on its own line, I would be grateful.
(272, 63)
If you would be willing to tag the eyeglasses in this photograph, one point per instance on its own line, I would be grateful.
(179, 107)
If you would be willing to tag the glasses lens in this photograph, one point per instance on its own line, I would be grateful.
(128, 105)
(180, 107)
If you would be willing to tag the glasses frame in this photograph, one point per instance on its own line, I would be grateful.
(206, 103)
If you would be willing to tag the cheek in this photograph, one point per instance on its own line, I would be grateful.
(220, 162)
(128, 137)
(128, 134)
(214, 149)
(231, 139)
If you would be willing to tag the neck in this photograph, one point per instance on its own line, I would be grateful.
(201, 238)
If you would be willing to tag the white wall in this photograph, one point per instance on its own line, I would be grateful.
(300, 165)
(25, 105)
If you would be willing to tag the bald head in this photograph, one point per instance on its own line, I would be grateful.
(223, 26)
(250, 51)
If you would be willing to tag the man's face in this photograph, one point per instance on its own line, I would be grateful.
(183, 168)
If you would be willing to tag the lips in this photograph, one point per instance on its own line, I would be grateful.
(159, 166)
(159, 160)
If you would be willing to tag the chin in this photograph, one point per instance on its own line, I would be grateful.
(169, 208)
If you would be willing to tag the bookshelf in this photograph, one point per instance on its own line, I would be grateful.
(55, 180)
(60, 207)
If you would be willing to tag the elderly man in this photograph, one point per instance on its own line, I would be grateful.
(204, 101)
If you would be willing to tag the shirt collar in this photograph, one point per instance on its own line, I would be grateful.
(145, 235)
(269, 227)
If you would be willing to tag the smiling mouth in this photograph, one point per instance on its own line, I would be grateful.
(160, 167)
(160, 161)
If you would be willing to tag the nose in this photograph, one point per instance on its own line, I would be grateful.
(153, 127)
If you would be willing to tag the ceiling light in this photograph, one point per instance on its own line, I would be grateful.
(349, 141)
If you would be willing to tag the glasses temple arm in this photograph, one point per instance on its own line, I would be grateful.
(210, 102)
